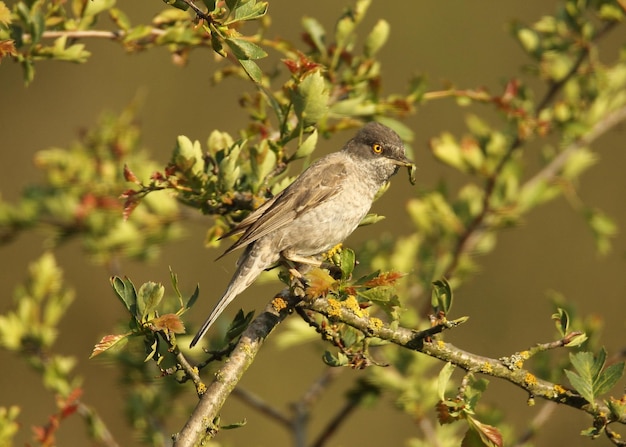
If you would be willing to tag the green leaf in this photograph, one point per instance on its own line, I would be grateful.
(316, 32)
(608, 378)
(95, 7)
(348, 259)
(307, 146)
(340, 360)
(244, 49)
(174, 281)
(442, 296)
(381, 294)
(252, 70)
(377, 38)
(310, 99)
(238, 325)
(229, 169)
(371, 219)
(582, 386)
(234, 425)
(443, 379)
(561, 320)
(192, 299)
(250, 10)
(125, 291)
(149, 296)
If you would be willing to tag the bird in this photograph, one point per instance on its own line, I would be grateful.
(316, 212)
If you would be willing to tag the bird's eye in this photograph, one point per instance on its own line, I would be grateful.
(377, 148)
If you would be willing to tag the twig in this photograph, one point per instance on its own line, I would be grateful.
(601, 127)
(302, 408)
(540, 418)
(262, 406)
(336, 421)
(84, 34)
(474, 227)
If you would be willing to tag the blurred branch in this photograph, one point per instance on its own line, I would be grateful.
(538, 421)
(88, 33)
(262, 406)
(475, 227)
(550, 171)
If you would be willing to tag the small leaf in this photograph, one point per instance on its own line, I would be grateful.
(244, 49)
(443, 379)
(148, 298)
(347, 262)
(169, 322)
(125, 291)
(310, 99)
(320, 283)
(238, 325)
(371, 219)
(577, 341)
(608, 378)
(561, 320)
(442, 296)
(234, 425)
(340, 360)
(583, 387)
(107, 342)
(252, 70)
(489, 435)
(192, 299)
(316, 33)
(377, 38)
(307, 146)
(250, 10)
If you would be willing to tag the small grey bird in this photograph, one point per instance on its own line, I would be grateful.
(320, 209)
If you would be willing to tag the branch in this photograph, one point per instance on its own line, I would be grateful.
(500, 368)
(601, 127)
(201, 424)
(83, 34)
(475, 227)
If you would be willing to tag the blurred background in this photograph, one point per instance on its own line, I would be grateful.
(466, 43)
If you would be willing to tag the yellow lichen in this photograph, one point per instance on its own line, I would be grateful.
(333, 251)
(278, 304)
(558, 389)
(334, 307)
(525, 355)
(352, 304)
(201, 389)
(441, 344)
(530, 379)
(375, 324)
(486, 368)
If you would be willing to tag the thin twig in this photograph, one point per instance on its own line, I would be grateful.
(538, 421)
(600, 128)
(473, 228)
(336, 421)
(262, 406)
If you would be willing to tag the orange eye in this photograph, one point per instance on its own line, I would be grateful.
(377, 148)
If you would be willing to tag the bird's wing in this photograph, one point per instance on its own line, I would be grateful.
(314, 186)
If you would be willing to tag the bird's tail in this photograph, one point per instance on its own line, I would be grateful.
(250, 266)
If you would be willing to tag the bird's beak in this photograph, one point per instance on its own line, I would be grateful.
(403, 161)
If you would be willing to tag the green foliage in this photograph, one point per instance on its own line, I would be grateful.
(590, 378)
(79, 196)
